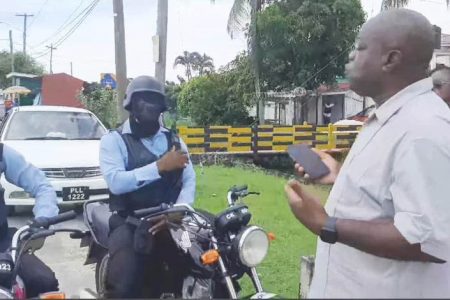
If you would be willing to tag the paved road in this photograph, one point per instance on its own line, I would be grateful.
(63, 255)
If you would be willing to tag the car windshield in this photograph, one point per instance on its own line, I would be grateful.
(54, 125)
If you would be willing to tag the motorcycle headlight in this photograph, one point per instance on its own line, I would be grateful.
(252, 246)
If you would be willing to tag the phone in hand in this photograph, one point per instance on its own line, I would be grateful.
(309, 160)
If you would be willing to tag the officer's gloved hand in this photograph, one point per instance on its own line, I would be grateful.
(39, 222)
(172, 160)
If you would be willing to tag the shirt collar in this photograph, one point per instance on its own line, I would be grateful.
(396, 102)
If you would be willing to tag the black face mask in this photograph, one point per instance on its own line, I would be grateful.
(144, 118)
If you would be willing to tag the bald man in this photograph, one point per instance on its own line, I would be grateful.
(385, 230)
(441, 83)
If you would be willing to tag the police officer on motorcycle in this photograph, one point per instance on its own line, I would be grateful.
(144, 166)
(37, 277)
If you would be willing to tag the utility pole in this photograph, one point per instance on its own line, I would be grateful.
(121, 59)
(25, 16)
(71, 69)
(11, 49)
(161, 40)
(51, 57)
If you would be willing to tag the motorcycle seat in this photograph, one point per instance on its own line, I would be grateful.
(98, 214)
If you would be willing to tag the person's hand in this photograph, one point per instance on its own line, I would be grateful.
(306, 207)
(172, 160)
(329, 161)
(160, 224)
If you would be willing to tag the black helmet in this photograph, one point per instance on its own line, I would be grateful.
(143, 84)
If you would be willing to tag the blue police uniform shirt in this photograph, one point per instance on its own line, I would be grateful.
(114, 158)
(23, 174)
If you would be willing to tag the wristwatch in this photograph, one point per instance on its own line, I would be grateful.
(328, 234)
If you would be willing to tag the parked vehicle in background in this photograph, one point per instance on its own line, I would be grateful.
(64, 143)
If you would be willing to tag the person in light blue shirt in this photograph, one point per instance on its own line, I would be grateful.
(144, 165)
(38, 277)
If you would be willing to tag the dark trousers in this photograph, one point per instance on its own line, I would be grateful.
(37, 276)
(134, 275)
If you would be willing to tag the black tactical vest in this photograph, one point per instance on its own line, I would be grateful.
(164, 190)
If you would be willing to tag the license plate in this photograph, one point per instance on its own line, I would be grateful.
(78, 193)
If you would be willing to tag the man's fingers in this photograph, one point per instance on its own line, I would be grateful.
(296, 186)
(158, 226)
(291, 191)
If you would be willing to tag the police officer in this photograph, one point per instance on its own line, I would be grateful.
(143, 168)
(38, 278)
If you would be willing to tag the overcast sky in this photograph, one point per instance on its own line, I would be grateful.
(194, 25)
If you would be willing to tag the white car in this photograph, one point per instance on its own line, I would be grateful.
(64, 143)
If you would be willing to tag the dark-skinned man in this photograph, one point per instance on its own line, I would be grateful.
(384, 232)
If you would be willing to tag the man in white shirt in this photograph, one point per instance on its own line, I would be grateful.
(385, 230)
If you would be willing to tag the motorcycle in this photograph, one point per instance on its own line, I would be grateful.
(27, 239)
(219, 249)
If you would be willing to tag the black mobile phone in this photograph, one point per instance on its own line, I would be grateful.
(309, 160)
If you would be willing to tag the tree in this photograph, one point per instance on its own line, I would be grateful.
(386, 4)
(203, 64)
(207, 100)
(194, 62)
(102, 102)
(22, 64)
(221, 98)
(306, 43)
(187, 60)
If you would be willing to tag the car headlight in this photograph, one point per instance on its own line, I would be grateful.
(252, 246)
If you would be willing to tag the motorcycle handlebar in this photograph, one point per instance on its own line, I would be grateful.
(152, 210)
(66, 216)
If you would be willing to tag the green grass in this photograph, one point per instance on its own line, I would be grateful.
(281, 270)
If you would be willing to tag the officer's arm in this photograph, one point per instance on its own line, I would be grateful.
(113, 157)
(23, 174)
(187, 194)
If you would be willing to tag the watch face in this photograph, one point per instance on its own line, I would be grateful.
(328, 236)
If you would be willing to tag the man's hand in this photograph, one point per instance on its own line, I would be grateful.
(306, 208)
(172, 160)
(329, 161)
(160, 224)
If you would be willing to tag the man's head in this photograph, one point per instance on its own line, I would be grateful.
(393, 51)
(441, 83)
(145, 100)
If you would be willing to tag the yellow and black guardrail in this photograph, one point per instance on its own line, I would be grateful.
(266, 138)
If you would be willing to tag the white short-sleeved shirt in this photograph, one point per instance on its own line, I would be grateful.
(398, 168)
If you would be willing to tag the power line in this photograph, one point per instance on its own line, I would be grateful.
(78, 24)
(72, 30)
(65, 24)
(38, 13)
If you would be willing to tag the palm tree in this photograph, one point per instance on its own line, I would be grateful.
(243, 17)
(386, 4)
(187, 60)
(203, 64)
